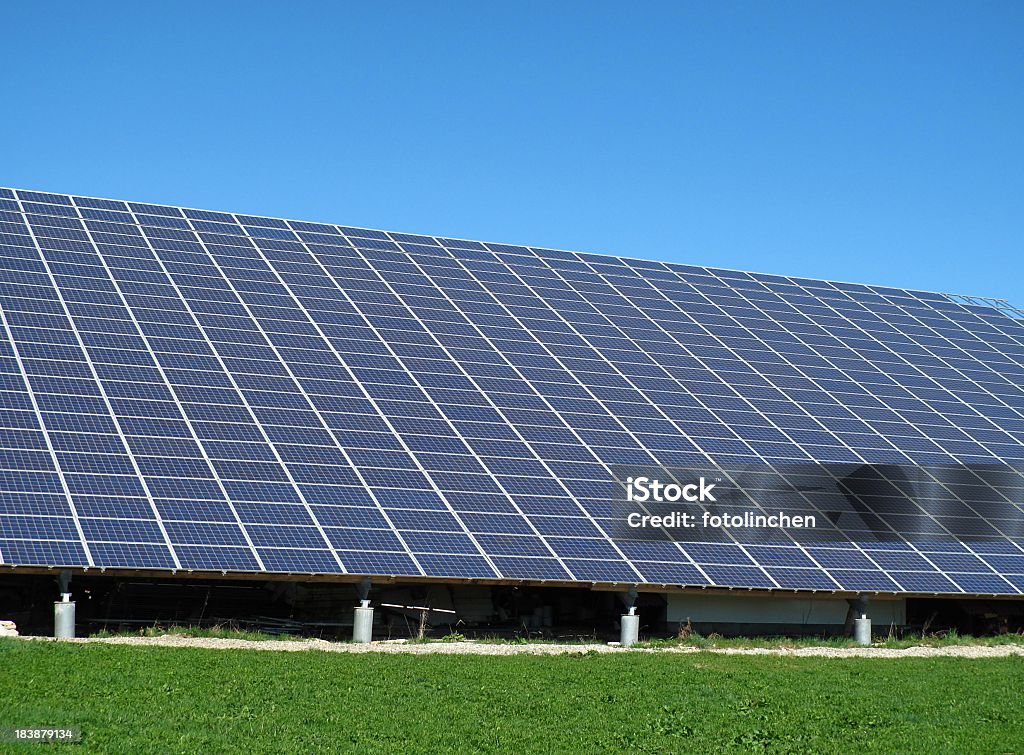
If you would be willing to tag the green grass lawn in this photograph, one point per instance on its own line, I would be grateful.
(153, 699)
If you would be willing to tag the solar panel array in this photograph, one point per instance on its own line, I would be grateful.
(211, 391)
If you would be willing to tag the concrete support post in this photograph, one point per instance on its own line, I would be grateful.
(64, 617)
(861, 622)
(362, 628)
(862, 630)
(630, 628)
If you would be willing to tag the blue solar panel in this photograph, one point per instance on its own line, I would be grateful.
(200, 390)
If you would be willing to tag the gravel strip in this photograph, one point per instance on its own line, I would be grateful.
(474, 648)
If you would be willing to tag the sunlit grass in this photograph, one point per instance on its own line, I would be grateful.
(161, 699)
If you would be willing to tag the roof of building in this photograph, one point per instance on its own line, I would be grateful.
(195, 390)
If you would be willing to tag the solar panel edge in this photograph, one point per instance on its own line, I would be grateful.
(507, 244)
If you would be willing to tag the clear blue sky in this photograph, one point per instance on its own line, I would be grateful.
(875, 142)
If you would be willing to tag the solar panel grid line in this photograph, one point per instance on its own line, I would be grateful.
(963, 298)
(930, 350)
(49, 445)
(429, 399)
(469, 448)
(967, 378)
(715, 374)
(184, 415)
(639, 442)
(720, 373)
(926, 558)
(327, 544)
(437, 490)
(518, 434)
(681, 430)
(189, 212)
(923, 510)
(218, 372)
(930, 378)
(597, 400)
(763, 460)
(837, 366)
(1005, 306)
(953, 459)
(825, 357)
(105, 398)
(951, 348)
(1009, 310)
(802, 370)
(768, 346)
(964, 375)
(892, 529)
